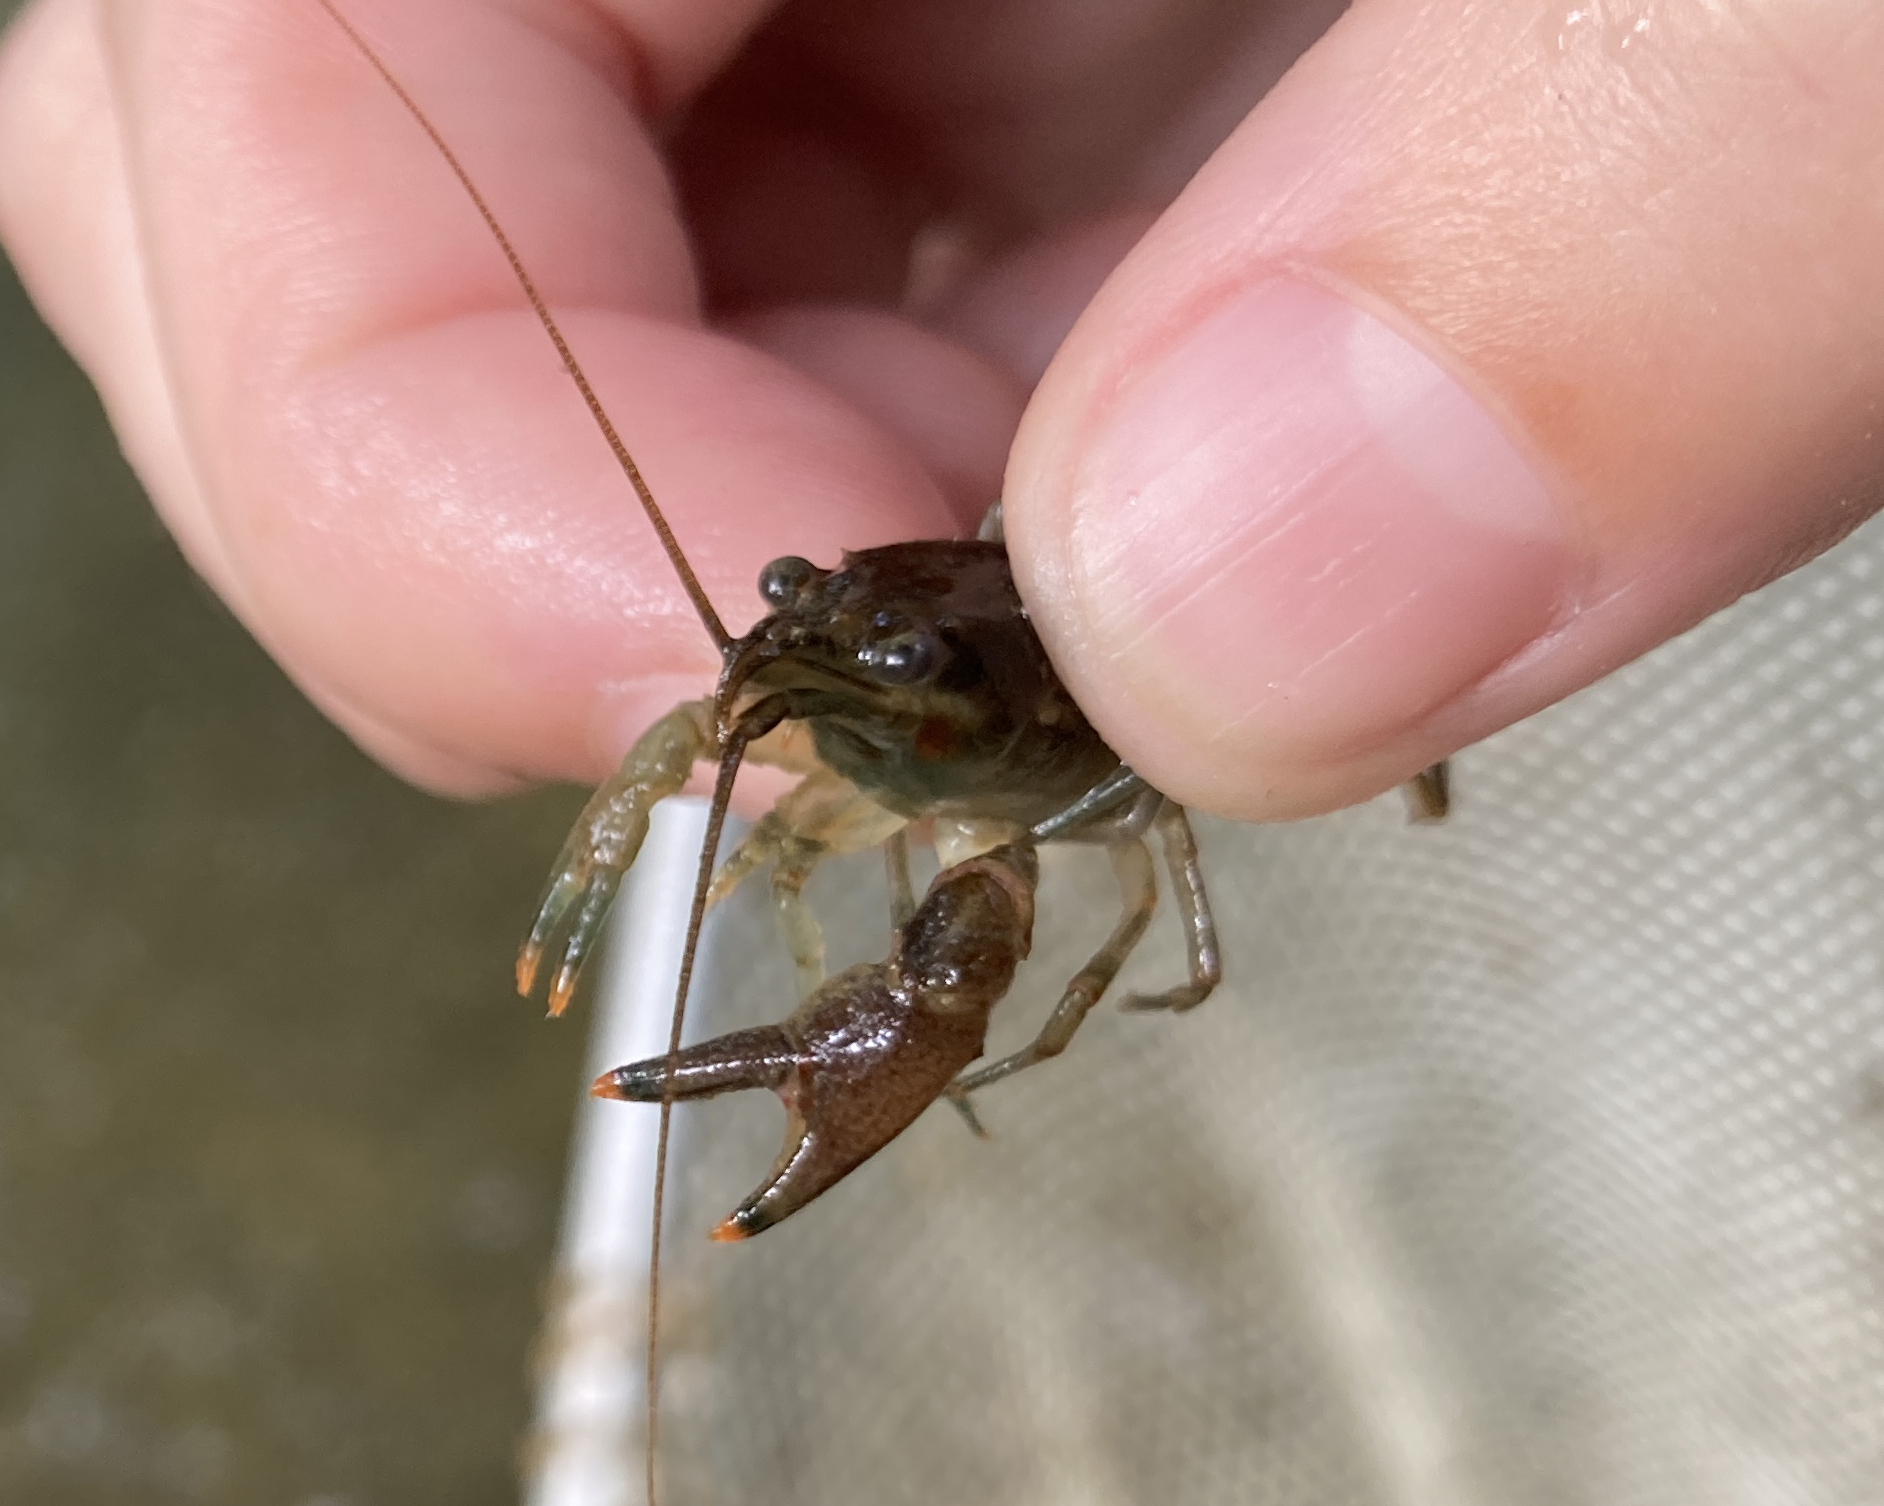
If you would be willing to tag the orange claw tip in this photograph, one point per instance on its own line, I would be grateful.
(727, 1231)
(527, 960)
(605, 1086)
(560, 990)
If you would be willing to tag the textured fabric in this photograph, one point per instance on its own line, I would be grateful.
(1536, 1158)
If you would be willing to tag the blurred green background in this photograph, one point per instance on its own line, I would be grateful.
(280, 1151)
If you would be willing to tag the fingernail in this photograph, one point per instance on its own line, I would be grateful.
(1297, 535)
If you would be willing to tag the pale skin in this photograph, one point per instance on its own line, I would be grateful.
(1643, 245)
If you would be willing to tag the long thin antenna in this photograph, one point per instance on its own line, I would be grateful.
(722, 640)
(696, 916)
(735, 743)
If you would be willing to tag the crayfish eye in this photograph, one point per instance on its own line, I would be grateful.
(784, 580)
(907, 659)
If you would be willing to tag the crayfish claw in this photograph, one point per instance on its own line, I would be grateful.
(584, 932)
(865, 1054)
(529, 958)
(558, 894)
(561, 990)
(604, 842)
(854, 1065)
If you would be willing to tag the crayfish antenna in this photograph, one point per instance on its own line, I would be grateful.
(690, 583)
(730, 757)
(733, 747)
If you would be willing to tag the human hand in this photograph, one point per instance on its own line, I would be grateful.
(1500, 344)
(1598, 398)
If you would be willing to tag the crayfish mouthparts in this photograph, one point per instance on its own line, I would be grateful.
(866, 1053)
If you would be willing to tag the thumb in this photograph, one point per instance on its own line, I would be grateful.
(1489, 352)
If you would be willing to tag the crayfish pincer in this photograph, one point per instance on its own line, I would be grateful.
(871, 1049)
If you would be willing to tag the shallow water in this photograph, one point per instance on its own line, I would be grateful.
(279, 1149)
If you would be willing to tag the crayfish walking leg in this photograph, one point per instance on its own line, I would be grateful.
(822, 816)
(1138, 894)
(1193, 908)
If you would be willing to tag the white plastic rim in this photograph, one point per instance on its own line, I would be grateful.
(587, 1438)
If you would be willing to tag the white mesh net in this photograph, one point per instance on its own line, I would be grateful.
(1536, 1158)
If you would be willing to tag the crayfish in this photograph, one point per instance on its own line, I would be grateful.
(907, 687)
(926, 695)
(928, 698)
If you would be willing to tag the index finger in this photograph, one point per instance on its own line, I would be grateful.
(424, 524)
